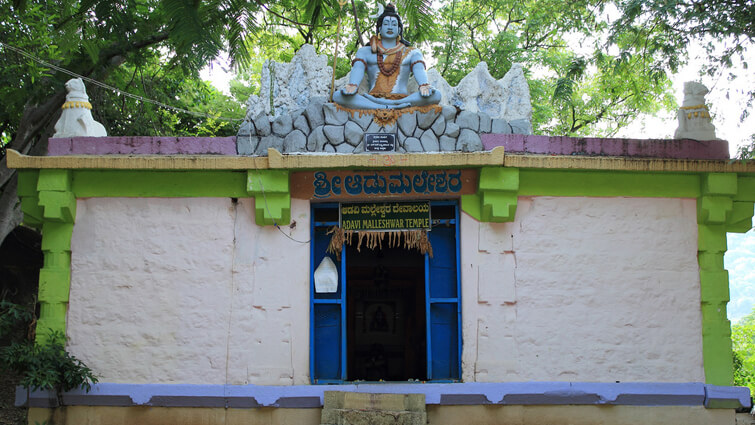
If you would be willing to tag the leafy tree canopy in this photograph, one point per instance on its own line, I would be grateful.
(743, 341)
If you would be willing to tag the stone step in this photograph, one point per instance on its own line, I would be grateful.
(372, 417)
(348, 408)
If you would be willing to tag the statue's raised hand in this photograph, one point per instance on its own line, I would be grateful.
(425, 90)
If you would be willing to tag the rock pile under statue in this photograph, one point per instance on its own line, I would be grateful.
(323, 127)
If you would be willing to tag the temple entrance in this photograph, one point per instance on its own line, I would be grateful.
(390, 313)
(385, 315)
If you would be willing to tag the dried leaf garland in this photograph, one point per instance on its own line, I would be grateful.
(413, 239)
(386, 117)
(336, 241)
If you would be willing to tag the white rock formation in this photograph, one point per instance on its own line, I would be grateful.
(693, 116)
(517, 102)
(436, 80)
(286, 87)
(290, 86)
(507, 98)
(478, 91)
(76, 119)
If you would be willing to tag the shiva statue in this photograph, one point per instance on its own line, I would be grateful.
(388, 60)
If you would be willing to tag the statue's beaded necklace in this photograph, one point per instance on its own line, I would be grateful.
(398, 51)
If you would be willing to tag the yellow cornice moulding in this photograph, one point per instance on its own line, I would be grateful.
(370, 160)
(138, 162)
(615, 163)
(276, 160)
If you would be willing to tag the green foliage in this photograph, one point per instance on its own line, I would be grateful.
(579, 84)
(246, 82)
(747, 151)
(124, 116)
(418, 16)
(666, 28)
(676, 22)
(593, 66)
(4, 140)
(47, 366)
(160, 44)
(12, 318)
(151, 48)
(41, 366)
(743, 342)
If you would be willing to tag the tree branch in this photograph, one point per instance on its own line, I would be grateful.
(450, 44)
(283, 17)
(472, 42)
(598, 116)
(359, 41)
(509, 21)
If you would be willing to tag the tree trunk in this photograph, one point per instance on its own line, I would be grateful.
(36, 126)
(10, 208)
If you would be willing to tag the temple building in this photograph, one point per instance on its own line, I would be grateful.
(438, 264)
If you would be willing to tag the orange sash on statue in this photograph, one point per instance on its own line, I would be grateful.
(384, 83)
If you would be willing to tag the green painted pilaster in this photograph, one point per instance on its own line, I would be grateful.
(27, 192)
(496, 197)
(740, 219)
(58, 205)
(715, 207)
(272, 198)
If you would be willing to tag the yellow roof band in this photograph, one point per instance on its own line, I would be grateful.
(276, 160)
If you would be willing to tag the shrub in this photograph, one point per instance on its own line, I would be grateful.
(46, 366)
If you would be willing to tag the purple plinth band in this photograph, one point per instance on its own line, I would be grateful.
(513, 144)
(142, 145)
(638, 148)
(309, 396)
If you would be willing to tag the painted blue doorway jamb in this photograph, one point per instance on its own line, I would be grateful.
(458, 289)
(343, 313)
(326, 310)
(442, 273)
(312, 295)
(428, 319)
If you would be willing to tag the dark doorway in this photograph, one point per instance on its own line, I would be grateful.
(386, 327)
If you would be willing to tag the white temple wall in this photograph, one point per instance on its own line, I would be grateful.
(188, 290)
(191, 290)
(583, 289)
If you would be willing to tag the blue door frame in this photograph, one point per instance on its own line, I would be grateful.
(442, 304)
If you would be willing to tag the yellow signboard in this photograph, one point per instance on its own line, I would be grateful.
(385, 216)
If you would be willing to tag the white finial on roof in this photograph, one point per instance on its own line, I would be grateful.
(76, 119)
(693, 116)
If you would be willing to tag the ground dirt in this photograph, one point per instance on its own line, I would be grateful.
(10, 415)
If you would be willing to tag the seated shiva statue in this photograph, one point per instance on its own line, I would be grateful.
(388, 60)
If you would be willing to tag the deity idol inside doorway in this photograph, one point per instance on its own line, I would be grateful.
(387, 61)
